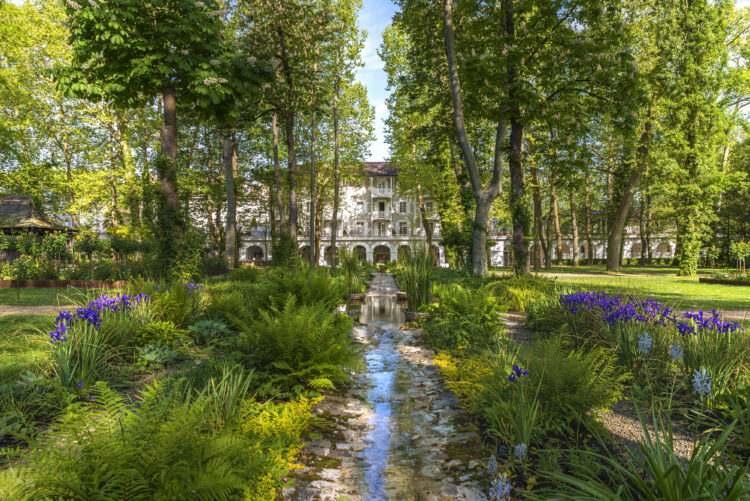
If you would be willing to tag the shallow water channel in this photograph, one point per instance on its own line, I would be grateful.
(399, 433)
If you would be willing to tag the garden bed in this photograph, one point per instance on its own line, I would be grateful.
(61, 284)
(724, 281)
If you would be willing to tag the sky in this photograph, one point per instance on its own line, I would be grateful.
(374, 17)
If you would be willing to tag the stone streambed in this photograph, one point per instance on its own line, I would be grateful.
(397, 433)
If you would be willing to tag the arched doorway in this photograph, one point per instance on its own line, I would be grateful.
(565, 254)
(403, 253)
(254, 253)
(381, 254)
(361, 252)
(663, 250)
(635, 250)
(328, 256)
(435, 255)
(304, 253)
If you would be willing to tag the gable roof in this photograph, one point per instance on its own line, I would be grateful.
(19, 213)
(380, 169)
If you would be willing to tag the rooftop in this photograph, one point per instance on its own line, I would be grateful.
(380, 169)
(19, 213)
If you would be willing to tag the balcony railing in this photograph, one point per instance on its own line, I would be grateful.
(382, 192)
(381, 214)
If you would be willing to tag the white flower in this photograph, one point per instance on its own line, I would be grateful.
(184, 52)
(93, 4)
(215, 62)
(222, 80)
(200, 4)
(73, 5)
(251, 60)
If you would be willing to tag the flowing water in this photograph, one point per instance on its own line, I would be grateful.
(398, 433)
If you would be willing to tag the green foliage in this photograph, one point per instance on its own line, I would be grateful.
(302, 344)
(308, 285)
(176, 303)
(654, 472)
(515, 293)
(284, 251)
(164, 333)
(84, 357)
(352, 271)
(157, 355)
(415, 276)
(463, 317)
(245, 274)
(226, 395)
(165, 448)
(209, 331)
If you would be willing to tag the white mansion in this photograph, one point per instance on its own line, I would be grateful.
(376, 219)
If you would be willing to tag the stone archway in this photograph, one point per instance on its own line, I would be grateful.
(565, 251)
(328, 256)
(304, 253)
(361, 252)
(381, 254)
(663, 250)
(635, 250)
(404, 252)
(254, 253)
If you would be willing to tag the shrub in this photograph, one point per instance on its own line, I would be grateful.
(182, 304)
(246, 274)
(302, 344)
(515, 293)
(165, 333)
(308, 286)
(463, 318)
(208, 331)
(284, 251)
(164, 449)
(157, 355)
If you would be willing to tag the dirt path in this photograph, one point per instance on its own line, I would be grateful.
(33, 310)
(397, 433)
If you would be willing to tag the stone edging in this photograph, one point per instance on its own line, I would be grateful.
(722, 281)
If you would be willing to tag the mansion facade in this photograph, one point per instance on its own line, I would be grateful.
(376, 220)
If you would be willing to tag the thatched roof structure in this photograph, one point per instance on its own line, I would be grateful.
(19, 213)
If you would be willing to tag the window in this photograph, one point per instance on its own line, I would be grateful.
(381, 185)
(381, 229)
(402, 207)
(381, 206)
(359, 228)
(403, 229)
(360, 206)
(428, 207)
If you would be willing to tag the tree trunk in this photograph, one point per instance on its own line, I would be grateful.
(319, 233)
(229, 147)
(336, 173)
(574, 222)
(292, 175)
(548, 250)
(642, 229)
(423, 214)
(68, 162)
(538, 238)
(277, 172)
(614, 243)
(313, 194)
(589, 236)
(556, 221)
(648, 229)
(168, 172)
(483, 197)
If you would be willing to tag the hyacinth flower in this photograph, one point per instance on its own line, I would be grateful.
(702, 383)
(492, 467)
(645, 342)
(500, 488)
(520, 451)
(676, 351)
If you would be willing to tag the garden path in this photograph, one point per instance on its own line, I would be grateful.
(33, 310)
(397, 433)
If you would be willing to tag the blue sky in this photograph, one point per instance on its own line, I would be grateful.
(374, 17)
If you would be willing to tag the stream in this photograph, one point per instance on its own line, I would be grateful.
(397, 433)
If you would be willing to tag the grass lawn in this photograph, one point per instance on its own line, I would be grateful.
(24, 344)
(37, 297)
(600, 269)
(679, 292)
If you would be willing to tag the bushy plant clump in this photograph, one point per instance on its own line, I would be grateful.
(168, 447)
(415, 276)
(463, 318)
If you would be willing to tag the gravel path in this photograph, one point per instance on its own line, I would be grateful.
(33, 310)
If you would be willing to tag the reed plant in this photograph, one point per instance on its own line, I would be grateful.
(416, 276)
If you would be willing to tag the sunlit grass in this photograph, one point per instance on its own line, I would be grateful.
(24, 344)
(54, 296)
